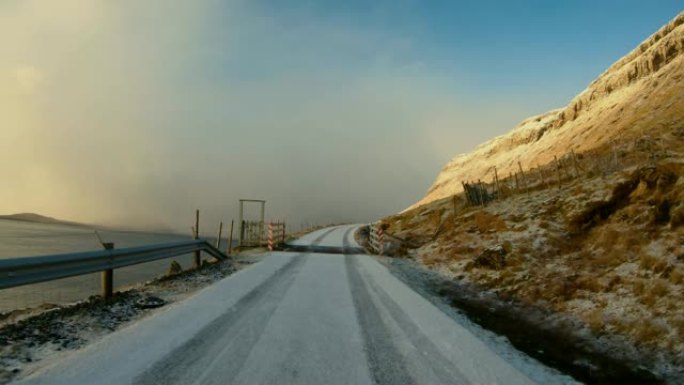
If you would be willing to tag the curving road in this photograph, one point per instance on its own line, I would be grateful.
(294, 318)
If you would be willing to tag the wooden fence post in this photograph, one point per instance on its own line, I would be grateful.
(466, 192)
(517, 184)
(197, 260)
(558, 173)
(482, 196)
(218, 239)
(284, 232)
(230, 239)
(522, 176)
(496, 179)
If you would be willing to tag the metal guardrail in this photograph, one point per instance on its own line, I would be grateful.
(24, 271)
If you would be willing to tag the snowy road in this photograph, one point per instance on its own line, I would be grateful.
(294, 318)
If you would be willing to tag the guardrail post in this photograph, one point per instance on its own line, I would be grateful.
(107, 277)
(197, 260)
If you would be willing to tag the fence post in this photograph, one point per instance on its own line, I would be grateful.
(517, 184)
(496, 178)
(270, 236)
(479, 188)
(107, 277)
(522, 176)
(218, 239)
(465, 192)
(230, 239)
(284, 233)
(242, 231)
(197, 260)
(558, 172)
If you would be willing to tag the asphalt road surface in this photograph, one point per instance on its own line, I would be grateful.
(300, 317)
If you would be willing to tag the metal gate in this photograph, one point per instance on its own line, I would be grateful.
(252, 234)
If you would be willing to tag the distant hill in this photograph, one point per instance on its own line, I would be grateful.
(37, 218)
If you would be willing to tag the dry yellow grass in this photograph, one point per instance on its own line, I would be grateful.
(649, 332)
(660, 287)
(676, 276)
(550, 265)
(648, 262)
(486, 221)
(595, 320)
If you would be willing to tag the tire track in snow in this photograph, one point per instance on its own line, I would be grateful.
(387, 363)
(320, 238)
(227, 340)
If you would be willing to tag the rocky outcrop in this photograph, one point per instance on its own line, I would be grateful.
(650, 56)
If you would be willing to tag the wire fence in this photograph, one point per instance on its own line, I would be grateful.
(561, 171)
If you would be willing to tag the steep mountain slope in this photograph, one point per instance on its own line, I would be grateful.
(641, 94)
(587, 251)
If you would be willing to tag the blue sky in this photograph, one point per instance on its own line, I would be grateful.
(552, 48)
(333, 111)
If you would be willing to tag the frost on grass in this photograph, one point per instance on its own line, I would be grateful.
(606, 251)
